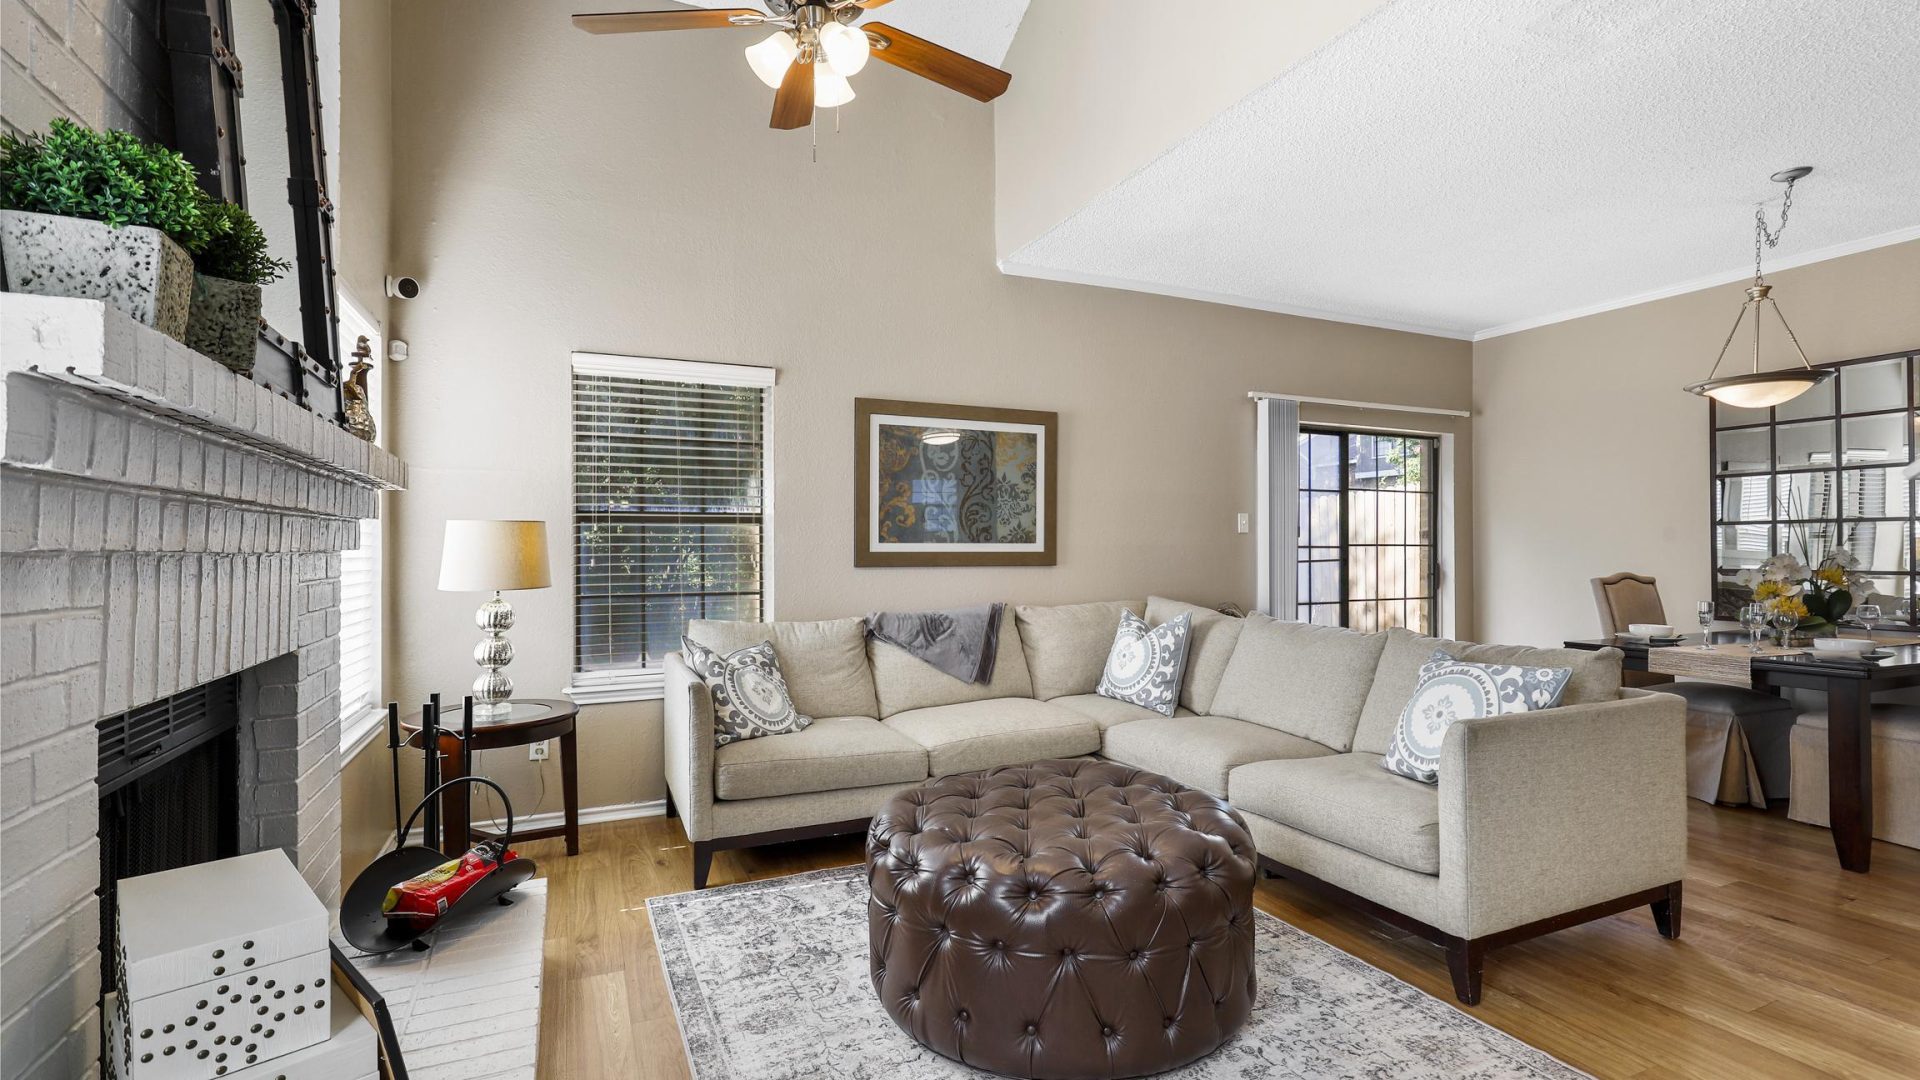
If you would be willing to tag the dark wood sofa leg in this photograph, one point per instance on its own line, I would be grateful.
(1666, 912)
(1465, 956)
(702, 863)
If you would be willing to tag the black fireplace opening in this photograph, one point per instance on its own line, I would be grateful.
(169, 791)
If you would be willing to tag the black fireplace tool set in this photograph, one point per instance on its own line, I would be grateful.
(363, 918)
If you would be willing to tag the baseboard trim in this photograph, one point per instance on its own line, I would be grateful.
(589, 815)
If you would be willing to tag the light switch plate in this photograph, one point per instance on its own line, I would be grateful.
(1243, 523)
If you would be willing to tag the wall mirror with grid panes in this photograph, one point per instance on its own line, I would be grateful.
(1834, 467)
(1368, 512)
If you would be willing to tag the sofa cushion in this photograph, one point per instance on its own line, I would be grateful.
(1596, 677)
(1200, 751)
(1067, 645)
(1304, 680)
(1106, 712)
(903, 681)
(1346, 799)
(825, 662)
(1453, 690)
(750, 698)
(1005, 731)
(1146, 663)
(835, 753)
(1209, 647)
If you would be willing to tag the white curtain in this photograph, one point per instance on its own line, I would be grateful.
(1277, 537)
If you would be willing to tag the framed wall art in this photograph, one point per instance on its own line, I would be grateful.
(953, 485)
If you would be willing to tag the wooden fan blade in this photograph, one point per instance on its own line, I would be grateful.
(793, 105)
(870, 3)
(979, 81)
(629, 22)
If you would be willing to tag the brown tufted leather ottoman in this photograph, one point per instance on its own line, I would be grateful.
(1065, 919)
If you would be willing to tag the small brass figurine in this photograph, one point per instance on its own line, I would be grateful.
(359, 409)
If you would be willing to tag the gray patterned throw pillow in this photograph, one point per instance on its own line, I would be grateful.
(749, 692)
(1453, 690)
(1145, 666)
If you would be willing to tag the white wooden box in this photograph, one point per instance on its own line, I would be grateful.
(219, 966)
(350, 1051)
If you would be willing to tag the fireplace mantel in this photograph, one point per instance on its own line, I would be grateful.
(88, 344)
(163, 523)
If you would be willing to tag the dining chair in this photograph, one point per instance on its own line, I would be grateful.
(1737, 737)
(1896, 771)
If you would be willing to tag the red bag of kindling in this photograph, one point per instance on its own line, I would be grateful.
(419, 901)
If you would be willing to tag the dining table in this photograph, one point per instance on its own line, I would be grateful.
(1848, 682)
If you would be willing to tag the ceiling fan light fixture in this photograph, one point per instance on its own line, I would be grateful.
(830, 89)
(846, 49)
(771, 57)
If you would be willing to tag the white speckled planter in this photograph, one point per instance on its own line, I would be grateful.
(225, 322)
(140, 271)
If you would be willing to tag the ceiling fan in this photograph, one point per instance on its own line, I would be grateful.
(814, 49)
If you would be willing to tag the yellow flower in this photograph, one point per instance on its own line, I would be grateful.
(1769, 590)
(1832, 575)
(1787, 605)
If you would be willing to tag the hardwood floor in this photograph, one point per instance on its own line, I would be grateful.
(1788, 966)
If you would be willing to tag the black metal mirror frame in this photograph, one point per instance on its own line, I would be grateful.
(207, 84)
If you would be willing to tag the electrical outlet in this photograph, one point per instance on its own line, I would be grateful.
(1242, 523)
(537, 751)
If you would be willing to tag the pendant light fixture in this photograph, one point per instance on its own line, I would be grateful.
(1763, 389)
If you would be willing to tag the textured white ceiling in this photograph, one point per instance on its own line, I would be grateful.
(982, 29)
(1470, 166)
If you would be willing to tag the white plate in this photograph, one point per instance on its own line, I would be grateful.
(1845, 646)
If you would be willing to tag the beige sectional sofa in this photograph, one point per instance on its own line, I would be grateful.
(1539, 821)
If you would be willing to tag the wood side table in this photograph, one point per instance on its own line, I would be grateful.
(530, 720)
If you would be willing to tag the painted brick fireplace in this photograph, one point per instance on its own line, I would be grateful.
(163, 524)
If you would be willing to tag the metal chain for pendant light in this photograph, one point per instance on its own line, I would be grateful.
(1770, 237)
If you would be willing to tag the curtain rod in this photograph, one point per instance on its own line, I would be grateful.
(1259, 395)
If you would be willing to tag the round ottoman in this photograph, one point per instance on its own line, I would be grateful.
(1065, 919)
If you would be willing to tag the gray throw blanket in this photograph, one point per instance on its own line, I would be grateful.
(960, 641)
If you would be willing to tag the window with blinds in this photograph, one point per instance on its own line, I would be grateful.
(360, 569)
(670, 502)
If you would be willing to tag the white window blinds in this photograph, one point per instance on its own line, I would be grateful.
(360, 625)
(670, 504)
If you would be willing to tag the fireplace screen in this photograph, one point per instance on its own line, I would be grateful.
(169, 790)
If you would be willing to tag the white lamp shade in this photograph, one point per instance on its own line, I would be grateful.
(830, 89)
(481, 556)
(771, 57)
(846, 48)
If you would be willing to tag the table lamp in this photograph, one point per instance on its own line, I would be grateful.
(491, 556)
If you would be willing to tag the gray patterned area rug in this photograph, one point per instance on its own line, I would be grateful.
(769, 981)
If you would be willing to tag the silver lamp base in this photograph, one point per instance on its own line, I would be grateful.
(493, 689)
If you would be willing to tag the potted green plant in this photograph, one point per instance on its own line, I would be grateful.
(230, 263)
(103, 216)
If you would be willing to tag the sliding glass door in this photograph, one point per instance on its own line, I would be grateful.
(1368, 535)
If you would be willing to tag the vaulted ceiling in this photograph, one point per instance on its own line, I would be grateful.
(1467, 167)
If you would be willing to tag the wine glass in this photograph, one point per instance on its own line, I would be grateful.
(1783, 624)
(1868, 614)
(1754, 618)
(1704, 611)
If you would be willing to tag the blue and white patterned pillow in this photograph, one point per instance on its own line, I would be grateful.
(1145, 666)
(749, 692)
(1453, 690)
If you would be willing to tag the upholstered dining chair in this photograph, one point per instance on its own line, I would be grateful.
(1737, 738)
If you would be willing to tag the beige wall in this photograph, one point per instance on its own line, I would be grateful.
(1076, 122)
(362, 156)
(559, 191)
(1591, 459)
(362, 159)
